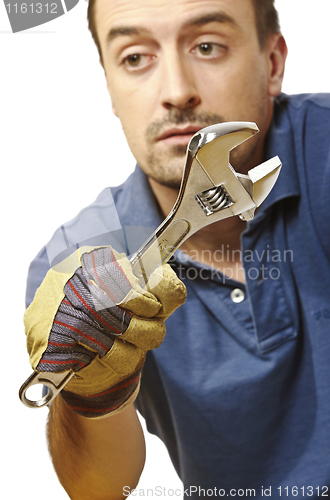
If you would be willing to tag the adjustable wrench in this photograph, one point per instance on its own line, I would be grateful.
(210, 191)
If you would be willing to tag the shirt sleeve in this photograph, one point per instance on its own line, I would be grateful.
(37, 271)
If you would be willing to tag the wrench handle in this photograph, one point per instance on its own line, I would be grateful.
(159, 248)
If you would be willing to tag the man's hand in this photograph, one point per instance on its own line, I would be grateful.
(99, 322)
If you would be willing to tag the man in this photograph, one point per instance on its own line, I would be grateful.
(238, 390)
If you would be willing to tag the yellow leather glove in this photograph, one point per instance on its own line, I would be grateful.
(92, 316)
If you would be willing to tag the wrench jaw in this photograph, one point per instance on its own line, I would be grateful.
(239, 193)
(227, 136)
(248, 186)
(211, 148)
(263, 178)
(259, 182)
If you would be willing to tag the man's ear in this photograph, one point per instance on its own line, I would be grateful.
(277, 51)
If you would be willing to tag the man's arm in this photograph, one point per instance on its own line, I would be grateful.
(95, 459)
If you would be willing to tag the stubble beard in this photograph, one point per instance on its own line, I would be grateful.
(166, 168)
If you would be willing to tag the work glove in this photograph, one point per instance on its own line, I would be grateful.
(93, 317)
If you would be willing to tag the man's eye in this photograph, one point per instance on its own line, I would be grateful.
(206, 48)
(209, 49)
(133, 60)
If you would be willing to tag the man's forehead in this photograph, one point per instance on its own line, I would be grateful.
(117, 12)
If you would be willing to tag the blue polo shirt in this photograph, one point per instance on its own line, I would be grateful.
(239, 391)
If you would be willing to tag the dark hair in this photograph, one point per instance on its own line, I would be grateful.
(267, 21)
(92, 24)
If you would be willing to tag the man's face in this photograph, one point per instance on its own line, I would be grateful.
(176, 66)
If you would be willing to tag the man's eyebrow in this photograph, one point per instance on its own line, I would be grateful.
(125, 31)
(213, 17)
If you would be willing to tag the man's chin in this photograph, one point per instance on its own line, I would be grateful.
(170, 183)
(168, 180)
(167, 169)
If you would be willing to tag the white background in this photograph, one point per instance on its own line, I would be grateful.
(56, 125)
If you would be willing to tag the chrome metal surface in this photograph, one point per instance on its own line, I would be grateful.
(215, 199)
(53, 381)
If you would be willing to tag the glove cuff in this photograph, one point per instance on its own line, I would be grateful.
(113, 400)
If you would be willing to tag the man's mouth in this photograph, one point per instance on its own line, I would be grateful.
(177, 135)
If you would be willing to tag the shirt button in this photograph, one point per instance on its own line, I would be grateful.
(237, 295)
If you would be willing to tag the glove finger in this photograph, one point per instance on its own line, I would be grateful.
(169, 290)
(145, 333)
(124, 357)
(122, 360)
(165, 294)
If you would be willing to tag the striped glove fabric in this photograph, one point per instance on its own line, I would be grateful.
(99, 322)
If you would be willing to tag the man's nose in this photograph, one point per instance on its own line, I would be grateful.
(178, 87)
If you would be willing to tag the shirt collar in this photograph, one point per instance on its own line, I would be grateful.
(137, 205)
(280, 142)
